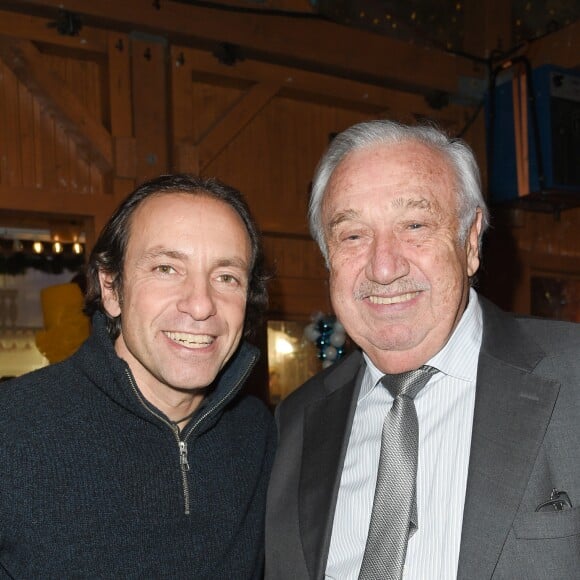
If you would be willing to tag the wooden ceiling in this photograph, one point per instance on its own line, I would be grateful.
(439, 24)
(308, 41)
(436, 49)
(426, 47)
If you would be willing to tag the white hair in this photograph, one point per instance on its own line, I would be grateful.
(383, 132)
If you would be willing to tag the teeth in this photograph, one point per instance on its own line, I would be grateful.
(190, 340)
(394, 299)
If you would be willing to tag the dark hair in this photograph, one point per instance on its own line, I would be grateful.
(108, 254)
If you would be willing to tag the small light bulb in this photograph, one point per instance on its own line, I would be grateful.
(38, 247)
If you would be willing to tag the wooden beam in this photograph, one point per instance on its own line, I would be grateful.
(488, 27)
(120, 102)
(46, 201)
(244, 110)
(37, 29)
(354, 94)
(559, 48)
(119, 50)
(150, 107)
(185, 156)
(309, 43)
(27, 64)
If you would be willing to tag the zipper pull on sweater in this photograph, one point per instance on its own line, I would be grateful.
(183, 456)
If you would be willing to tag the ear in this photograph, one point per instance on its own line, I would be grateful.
(109, 297)
(472, 249)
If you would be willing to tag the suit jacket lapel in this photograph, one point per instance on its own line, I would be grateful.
(512, 411)
(327, 424)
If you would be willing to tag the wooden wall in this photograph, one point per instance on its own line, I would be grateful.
(84, 118)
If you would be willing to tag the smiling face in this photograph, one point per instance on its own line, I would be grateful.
(399, 278)
(185, 282)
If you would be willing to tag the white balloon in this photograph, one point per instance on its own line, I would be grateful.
(330, 353)
(317, 316)
(338, 327)
(311, 332)
(326, 363)
(337, 338)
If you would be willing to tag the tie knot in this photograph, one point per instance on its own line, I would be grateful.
(409, 383)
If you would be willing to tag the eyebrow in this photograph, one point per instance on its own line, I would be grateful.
(154, 253)
(159, 252)
(343, 216)
(233, 263)
(351, 214)
(413, 203)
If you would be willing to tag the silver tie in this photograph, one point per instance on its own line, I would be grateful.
(394, 514)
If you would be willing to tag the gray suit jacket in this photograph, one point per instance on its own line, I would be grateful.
(526, 441)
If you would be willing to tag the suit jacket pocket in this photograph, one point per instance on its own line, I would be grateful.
(554, 524)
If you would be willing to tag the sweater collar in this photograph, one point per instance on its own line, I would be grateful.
(111, 374)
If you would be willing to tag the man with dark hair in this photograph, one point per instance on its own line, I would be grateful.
(139, 456)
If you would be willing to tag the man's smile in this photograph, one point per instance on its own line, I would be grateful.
(190, 340)
(393, 299)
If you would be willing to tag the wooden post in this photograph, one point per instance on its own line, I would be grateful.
(150, 105)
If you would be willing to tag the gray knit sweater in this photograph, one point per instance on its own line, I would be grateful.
(96, 484)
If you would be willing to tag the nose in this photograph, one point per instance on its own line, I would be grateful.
(196, 299)
(387, 261)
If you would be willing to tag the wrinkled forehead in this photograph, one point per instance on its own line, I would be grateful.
(169, 213)
(410, 167)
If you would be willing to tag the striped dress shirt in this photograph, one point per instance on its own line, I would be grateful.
(445, 411)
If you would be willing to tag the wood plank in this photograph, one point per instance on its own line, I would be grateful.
(38, 156)
(210, 100)
(26, 136)
(287, 139)
(185, 156)
(119, 70)
(561, 47)
(304, 83)
(39, 29)
(62, 158)
(300, 285)
(296, 298)
(314, 43)
(3, 137)
(125, 158)
(97, 180)
(234, 121)
(121, 113)
(13, 170)
(26, 62)
(61, 67)
(73, 185)
(149, 78)
(294, 256)
(181, 95)
(54, 201)
(488, 27)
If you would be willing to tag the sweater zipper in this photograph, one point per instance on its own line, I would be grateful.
(182, 443)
